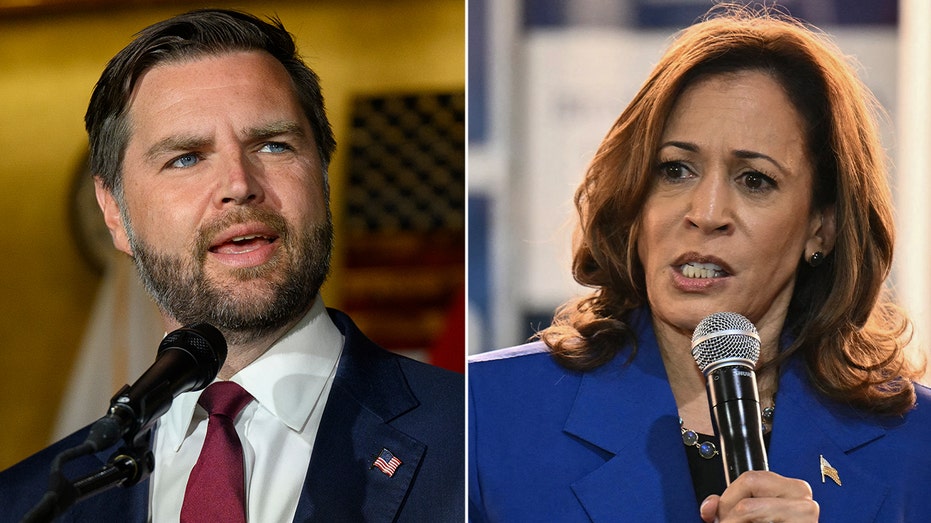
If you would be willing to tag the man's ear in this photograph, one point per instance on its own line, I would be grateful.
(111, 216)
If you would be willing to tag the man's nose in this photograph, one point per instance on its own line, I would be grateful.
(239, 181)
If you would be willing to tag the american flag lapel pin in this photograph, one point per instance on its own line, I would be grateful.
(829, 471)
(386, 462)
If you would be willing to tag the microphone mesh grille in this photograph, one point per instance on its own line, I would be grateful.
(724, 335)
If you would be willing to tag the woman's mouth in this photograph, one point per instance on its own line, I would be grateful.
(697, 270)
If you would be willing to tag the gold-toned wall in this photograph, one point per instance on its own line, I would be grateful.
(48, 66)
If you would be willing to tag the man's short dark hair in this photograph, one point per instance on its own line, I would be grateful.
(206, 32)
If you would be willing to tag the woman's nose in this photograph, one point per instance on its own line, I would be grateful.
(710, 206)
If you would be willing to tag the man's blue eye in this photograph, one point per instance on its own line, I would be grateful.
(185, 161)
(275, 147)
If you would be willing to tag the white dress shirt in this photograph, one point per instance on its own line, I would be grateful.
(290, 384)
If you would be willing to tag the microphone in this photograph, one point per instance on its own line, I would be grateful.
(188, 359)
(726, 346)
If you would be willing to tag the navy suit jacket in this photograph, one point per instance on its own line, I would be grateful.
(548, 444)
(378, 400)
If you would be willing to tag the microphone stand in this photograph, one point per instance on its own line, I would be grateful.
(188, 359)
(125, 468)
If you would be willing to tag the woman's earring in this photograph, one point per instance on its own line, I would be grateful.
(816, 258)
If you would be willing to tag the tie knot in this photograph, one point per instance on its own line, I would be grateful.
(224, 398)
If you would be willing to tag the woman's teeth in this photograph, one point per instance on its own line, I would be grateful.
(701, 270)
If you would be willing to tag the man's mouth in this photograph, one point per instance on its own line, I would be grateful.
(702, 270)
(243, 244)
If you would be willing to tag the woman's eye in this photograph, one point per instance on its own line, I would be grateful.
(673, 170)
(184, 161)
(757, 181)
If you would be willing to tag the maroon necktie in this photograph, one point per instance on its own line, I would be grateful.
(216, 488)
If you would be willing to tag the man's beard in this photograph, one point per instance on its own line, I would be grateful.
(259, 300)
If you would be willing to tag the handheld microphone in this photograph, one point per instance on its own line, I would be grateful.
(188, 359)
(726, 346)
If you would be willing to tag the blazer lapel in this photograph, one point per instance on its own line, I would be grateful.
(807, 428)
(629, 411)
(342, 483)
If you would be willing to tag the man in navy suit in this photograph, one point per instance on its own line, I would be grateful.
(209, 147)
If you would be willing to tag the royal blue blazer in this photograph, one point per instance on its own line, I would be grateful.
(378, 400)
(549, 444)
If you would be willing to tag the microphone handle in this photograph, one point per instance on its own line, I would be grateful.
(735, 408)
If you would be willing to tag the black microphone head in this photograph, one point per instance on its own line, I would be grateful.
(725, 337)
(205, 343)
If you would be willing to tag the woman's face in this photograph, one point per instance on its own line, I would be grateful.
(729, 217)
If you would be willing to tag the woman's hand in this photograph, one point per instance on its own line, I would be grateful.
(758, 496)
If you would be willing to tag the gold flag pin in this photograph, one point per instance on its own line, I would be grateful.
(829, 471)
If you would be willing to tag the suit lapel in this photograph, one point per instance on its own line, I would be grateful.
(629, 411)
(129, 504)
(806, 428)
(369, 391)
(122, 504)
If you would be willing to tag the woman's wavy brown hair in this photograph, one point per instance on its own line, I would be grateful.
(849, 333)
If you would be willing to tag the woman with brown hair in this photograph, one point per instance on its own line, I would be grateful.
(746, 175)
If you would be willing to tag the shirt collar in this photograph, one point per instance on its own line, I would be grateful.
(288, 380)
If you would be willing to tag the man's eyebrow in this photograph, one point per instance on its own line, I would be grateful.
(275, 129)
(174, 144)
(178, 143)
